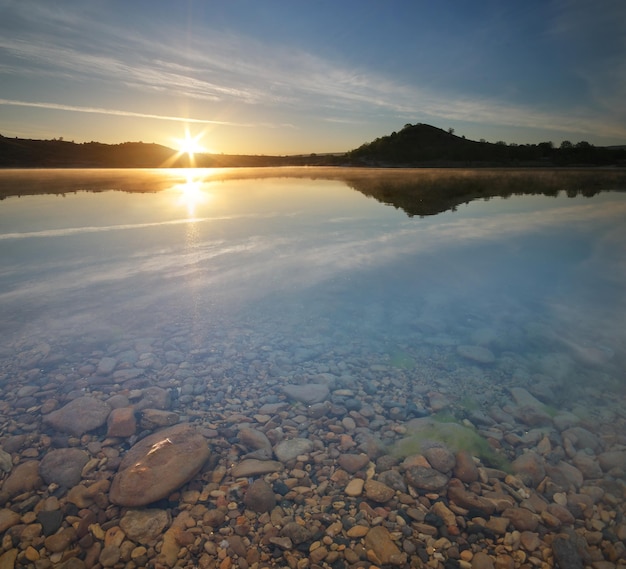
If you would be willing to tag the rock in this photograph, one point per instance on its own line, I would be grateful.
(291, 448)
(427, 479)
(588, 465)
(254, 439)
(566, 553)
(476, 354)
(308, 394)
(354, 487)
(8, 558)
(24, 478)
(440, 458)
(145, 526)
(158, 465)
(565, 475)
(60, 541)
(352, 463)
(154, 398)
(106, 366)
(386, 552)
(462, 497)
(121, 422)
(8, 518)
(6, 462)
(393, 479)
(260, 497)
(282, 542)
(50, 521)
(528, 408)
(83, 496)
(156, 418)
(63, 466)
(612, 459)
(109, 555)
(445, 513)
(529, 466)
(465, 468)
(79, 416)
(296, 533)
(482, 561)
(521, 519)
(253, 467)
(378, 492)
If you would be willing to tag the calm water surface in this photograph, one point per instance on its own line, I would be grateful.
(282, 277)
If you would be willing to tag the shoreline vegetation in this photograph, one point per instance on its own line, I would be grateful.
(415, 145)
(417, 191)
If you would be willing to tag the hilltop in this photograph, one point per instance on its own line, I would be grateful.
(425, 145)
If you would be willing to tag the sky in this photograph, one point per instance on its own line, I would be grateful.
(293, 76)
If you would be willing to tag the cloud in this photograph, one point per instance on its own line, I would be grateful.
(122, 113)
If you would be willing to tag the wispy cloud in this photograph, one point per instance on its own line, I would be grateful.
(122, 113)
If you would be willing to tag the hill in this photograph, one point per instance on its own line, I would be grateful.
(27, 153)
(425, 145)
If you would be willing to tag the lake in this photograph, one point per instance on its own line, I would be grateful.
(409, 318)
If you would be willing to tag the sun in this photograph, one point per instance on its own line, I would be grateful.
(190, 145)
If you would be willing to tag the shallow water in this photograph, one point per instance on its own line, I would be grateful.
(400, 290)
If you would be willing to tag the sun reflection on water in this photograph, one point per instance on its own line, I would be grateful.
(191, 194)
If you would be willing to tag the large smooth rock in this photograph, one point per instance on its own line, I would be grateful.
(307, 394)
(24, 478)
(157, 465)
(79, 416)
(289, 449)
(63, 466)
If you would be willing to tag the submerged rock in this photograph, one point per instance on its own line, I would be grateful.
(307, 394)
(63, 466)
(79, 416)
(158, 465)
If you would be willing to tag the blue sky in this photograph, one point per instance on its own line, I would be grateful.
(291, 76)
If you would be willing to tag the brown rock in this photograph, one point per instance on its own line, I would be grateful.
(254, 439)
(23, 478)
(379, 541)
(79, 416)
(352, 463)
(461, 497)
(156, 418)
(60, 540)
(253, 467)
(158, 465)
(482, 561)
(122, 422)
(83, 496)
(260, 497)
(465, 469)
(530, 468)
(427, 479)
(144, 526)
(378, 492)
(8, 518)
(440, 458)
(521, 519)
